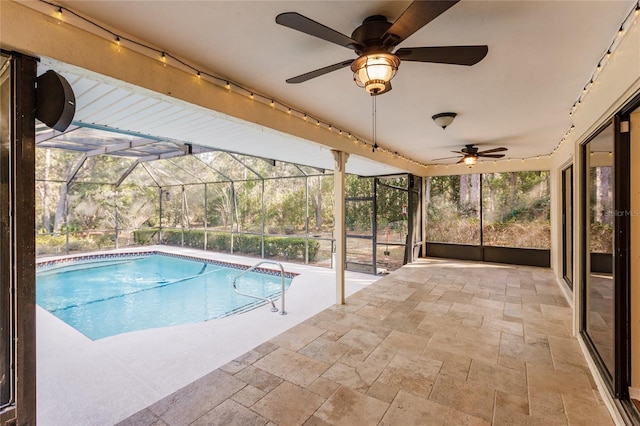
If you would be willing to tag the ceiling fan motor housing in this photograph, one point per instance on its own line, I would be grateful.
(470, 149)
(370, 33)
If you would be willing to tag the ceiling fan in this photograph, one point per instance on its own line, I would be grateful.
(375, 40)
(470, 154)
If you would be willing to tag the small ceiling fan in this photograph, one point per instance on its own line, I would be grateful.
(375, 40)
(470, 154)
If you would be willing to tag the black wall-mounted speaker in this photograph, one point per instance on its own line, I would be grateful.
(55, 101)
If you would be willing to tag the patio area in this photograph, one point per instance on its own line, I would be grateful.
(435, 342)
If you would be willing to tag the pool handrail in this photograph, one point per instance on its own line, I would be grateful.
(273, 306)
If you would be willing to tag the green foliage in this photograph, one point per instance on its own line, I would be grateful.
(278, 247)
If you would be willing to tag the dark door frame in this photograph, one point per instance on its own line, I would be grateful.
(18, 239)
(567, 197)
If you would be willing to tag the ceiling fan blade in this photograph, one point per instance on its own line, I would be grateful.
(457, 55)
(444, 158)
(488, 151)
(461, 160)
(459, 152)
(491, 155)
(317, 73)
(308, 26)
(417, 15)
(387, 88)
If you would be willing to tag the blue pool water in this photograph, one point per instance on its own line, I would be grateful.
(104, 298)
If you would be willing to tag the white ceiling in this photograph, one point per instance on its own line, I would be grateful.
(541, 54)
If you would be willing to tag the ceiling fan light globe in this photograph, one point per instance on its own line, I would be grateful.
(374, 71)
(470, 161)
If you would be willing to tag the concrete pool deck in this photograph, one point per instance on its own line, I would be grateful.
(85, 382)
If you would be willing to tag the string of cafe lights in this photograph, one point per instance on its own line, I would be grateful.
(168, 58)
(628, 22)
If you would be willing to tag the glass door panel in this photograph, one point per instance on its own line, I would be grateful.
(599, 221)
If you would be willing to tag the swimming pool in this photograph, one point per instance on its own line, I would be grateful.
(108, 295)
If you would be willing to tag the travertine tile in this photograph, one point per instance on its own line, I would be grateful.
(298, 337)
(361, 339)
(433, 308)
(350, 408)
(405, 342)
(143, 418)
(453, 365)
(325, 350)
(468, 397)
(292, 366)
(288, 404)
(248, 395)
(550, 312)
(380, 356)
(259, 378)
(323, 387)
(462, 346)
(479, 334)
(546, 379)
(358, 377)
(582, 410)
(241, 362)
(511, 402)
(511, 327)
(566, 350)
(498, 377)
(456, 296)
(265, 348)
(412, 373)
(408, 409)
(546, 403)
(197, 398)
(383, 391)
(230, 413)
(373, 312)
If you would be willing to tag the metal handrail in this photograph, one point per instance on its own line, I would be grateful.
(273, 306)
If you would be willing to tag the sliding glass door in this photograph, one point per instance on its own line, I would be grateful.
(605, 286)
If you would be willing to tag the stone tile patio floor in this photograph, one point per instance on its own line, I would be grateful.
(437, 342)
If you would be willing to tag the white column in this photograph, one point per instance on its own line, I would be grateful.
(339, 221)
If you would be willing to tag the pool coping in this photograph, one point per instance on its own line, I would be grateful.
(72, 259)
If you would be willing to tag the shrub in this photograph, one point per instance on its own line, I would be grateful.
(144, 236)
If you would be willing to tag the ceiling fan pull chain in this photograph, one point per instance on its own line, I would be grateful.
(373, 113)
